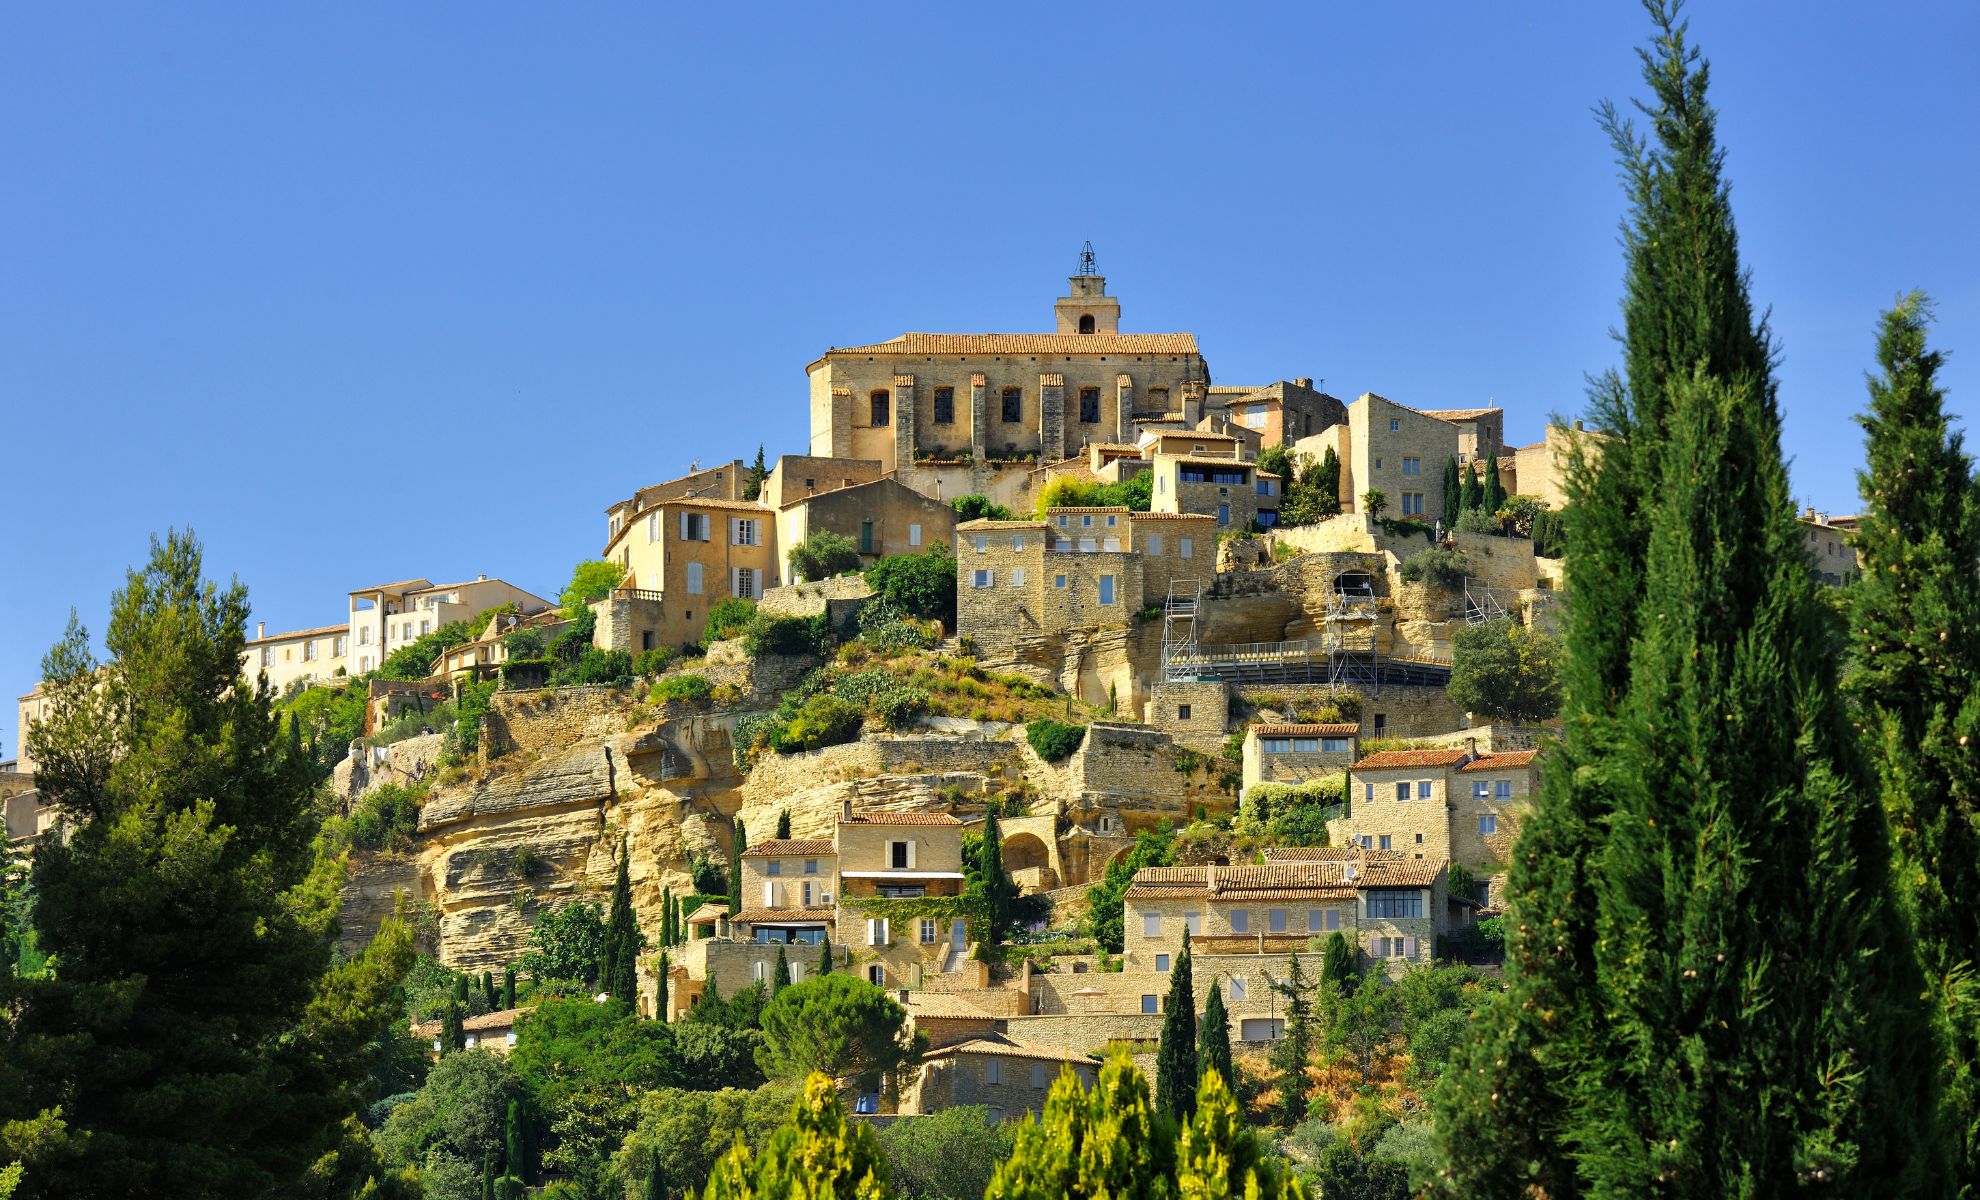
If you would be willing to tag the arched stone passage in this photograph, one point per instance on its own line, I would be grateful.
(1028, 861)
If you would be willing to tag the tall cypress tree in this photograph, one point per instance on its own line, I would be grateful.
(1175, 1056)
(784, 824)
(738, 842)
(997, 889)
(1290, 1053)
(825, 956)
(1916, 677)
(1706, 989)
(660, 990)
(656, 1179)
(1471, 495)
(780, 975)
(1327, 482)
(488, 992)
(667, 916)
(1213, 1038)
(1453, 492)
(1495, 487)
(621, 931)
(508, 987)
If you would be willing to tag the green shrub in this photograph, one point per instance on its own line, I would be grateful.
(652, 662)
(592, 579)
(694, 688)
(522, 674)
(570, 645)
(597, 666)
(919, 585)
(823, 720)
(385, 819)
(1437, 567)
(414, 660)
(884, 694)
(791, 636)
(979, 508)
(885, 627)
(823, 555)
(1054, 740)
(523, 643)
(727, 618)
(1477, 520)
(472, 706)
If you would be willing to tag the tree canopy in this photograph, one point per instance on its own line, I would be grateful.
(1505, 670)
(836, 1024)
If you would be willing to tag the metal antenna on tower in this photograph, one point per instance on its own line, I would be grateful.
(1086, 266)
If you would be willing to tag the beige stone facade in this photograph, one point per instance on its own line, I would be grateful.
(1457, 805)
(1481, 433)
(297, 657)
(1541, 470)
(1827, 541)
(683, 555)
(881, 518)
(972, 397)
(1008, 1076)
(1298, 753)
(1278, 413)
(389, 616)
(900, 856)
(1233, 493)
(1193, 712)
(1398, 451)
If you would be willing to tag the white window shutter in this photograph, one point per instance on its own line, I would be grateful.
(1409, 947)
(910, 846)
(684, 526)
(872, 931)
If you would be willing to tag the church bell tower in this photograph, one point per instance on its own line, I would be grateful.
(1089, 309)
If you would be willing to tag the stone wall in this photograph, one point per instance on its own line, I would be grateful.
(628, 624)
(842, 596)
(1194, 714)
(552, 719)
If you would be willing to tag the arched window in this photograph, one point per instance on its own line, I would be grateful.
(1086, 322)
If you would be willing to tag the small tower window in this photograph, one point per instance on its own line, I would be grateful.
(1089, 406)
(1013, 405)
(883, 406)
(1086, 322)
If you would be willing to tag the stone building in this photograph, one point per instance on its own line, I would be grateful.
(1481, 433)
(966, 402)
(482, 658)
(681, 555)
(1233, 492)
(1005, 1075)
(1399, 452)
(494, 1032)
(389, 616)
(1279, 413)
(1298, 753)
(1541, 470)
(1435, 805)
(880, 517)
(889, 856)
(296, 657)
(1827, 540)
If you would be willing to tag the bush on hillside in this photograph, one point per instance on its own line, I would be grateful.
(694, 688)
(823, 720)
(1436, 567)
(1054, 740)
(652, 662)
(979, 508)
(592, 579)
(727, 618)
(823, 555)
(918, 585)
(789, 636)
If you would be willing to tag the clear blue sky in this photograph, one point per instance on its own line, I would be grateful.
(363, 292)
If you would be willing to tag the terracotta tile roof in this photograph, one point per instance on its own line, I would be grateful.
(1336, 729)
(1285, 878)
(1203, 435)
(942, 1004)
(1459, 414)
(712, 503)
(319, 631)
(783, 916)
(900, 818)
(1411, 758)
(1502, 761)
(1218, 389)
(789, 847)
(1161, 516)
(709, 912)
(1083, 344)
(1009, 1048)
(400, 586)
(1204, 460)
(1286, 854)
(500, 1019)
(1113, 446)
(1105, 508)
(1400, 872)
(982, 524)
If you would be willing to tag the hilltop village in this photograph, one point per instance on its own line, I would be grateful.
(1169, 659)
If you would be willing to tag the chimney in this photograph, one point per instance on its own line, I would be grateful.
(846, 811)
(260, 629)
(1210, 877)
(481, 579)
(1577, 424)
(1471, 747)
(1305, 381)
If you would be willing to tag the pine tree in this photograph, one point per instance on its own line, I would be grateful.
(1327, 482)
(1916, 679)
(1495, 488)
(825, 956)
(1291, 1052)
(1213, 1038)
(508, 987)
(1175, 1055)
(1706, 988)
(754, 475)
(738, 842)
(780, 976)
(660, 990)
(815, 1154)
(1218, 1157)
(784, 824)
(1453, 493)
(1089, 1144)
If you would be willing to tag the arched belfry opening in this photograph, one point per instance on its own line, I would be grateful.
(1088, 308)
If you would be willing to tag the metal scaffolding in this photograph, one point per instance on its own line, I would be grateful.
(1179, 649)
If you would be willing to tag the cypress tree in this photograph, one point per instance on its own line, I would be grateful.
(622, 940)
(1291, 1052)
(1175, 1056)
(1471, 496)
(680, 921)
(667, 916)
(488, 991)
(738, 842)
(660, 990)
(453, 1028)
(1705, 988)
(1915, 674)
(1495, 488)
(1327, 482)
(1340, 964)
(997, 890)
(1453, 493)
(461, 992)
(780, 976)
(825, 956)
(515, 1159)
(487, 1175)
(656, 1179)
(1213, 1039)
(508, 987)
(784, 824)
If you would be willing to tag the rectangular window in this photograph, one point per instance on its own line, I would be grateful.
(945, 406)
(876, 931)
(1412, 466)
(1193, 923)
(268, 656)
(1395, 425)
(1161, 964)
(1059, 581)
(1089, 406)
(745, 583)
(1395, 902)
(694, 527)
(1367, 843)
(927, 931)
(1278, 745)
(1017, 542)
(1385, 842)
(1481, 790)
(1223, 514)
(1333, 745)
(1039, 1077)
(364, 636)
(1013, 405)
(1155, 544)
(774, 868)
(694, 579)
(1106, 589)
(1276, 919)
(1186, 547)
(759, 971)
(914, 535)
(1264, 486)
(900, 855)
(1412, 504)
(981, 579)
(1402, 790)
(1151, 925)
(745, 531)
(1182, 712)
(1240, 921)
(309, 651)
(806, 893)
(811, 866)
(1316, 920)
(652, 528)
(982, 544)
(1149, 1004)
(1017, 577)
(866, 537)
(993, 1070)
(1423, 789)
(1502, 788)
(1487, 824)
(1237, 988)
(880, 408)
